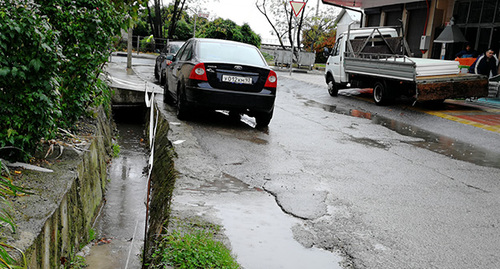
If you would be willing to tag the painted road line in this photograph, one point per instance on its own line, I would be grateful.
(486, 121)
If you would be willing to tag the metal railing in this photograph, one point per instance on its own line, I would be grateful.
(144, 44)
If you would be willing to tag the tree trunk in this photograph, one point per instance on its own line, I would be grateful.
(176, 15)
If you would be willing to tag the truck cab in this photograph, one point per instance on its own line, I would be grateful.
(335, 75)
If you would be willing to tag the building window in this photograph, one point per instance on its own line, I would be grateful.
(479, 21)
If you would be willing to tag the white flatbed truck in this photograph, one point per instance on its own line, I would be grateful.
(374, 57)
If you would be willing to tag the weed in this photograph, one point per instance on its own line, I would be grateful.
(8, 257)
(75, 262)
(92, 235)
(116, 150)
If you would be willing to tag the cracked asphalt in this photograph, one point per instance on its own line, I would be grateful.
(321, 188)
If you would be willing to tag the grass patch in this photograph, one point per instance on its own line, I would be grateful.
(193, 244)
(194, 250)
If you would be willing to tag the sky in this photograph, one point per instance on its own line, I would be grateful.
(244, 11)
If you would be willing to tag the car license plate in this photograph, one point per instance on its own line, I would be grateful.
(236, 79)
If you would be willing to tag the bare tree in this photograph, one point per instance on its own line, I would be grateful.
(280, 15)
(156, 21)
(175, 16)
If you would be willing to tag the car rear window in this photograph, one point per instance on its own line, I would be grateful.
(230, 52)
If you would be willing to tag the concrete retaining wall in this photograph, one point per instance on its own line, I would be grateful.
(55, 220)
(163, 177)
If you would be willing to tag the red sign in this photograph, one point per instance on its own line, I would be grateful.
(297, 7)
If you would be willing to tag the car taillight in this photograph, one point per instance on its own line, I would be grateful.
(272, 80)
(199, 72)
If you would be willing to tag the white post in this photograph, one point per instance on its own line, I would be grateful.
(292, 43)
(129, 48)
(138, 44)
(194, 30)
(443, 50)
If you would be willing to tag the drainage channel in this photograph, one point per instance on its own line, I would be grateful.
(119, 227)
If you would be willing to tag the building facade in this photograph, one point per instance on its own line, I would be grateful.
(478, 20)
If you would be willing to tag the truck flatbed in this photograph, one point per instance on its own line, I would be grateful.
(376, 58)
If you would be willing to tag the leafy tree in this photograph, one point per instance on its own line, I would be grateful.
(184, 30)
(227, 29)
(142, 26)
(221, 29)
(320, 32)
(250, 36)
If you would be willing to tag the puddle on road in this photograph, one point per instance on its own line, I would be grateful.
(261, 234)
(121, 220)
(433, 142)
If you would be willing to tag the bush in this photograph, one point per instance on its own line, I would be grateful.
(29, 60)
(87, 28)
(51, 56)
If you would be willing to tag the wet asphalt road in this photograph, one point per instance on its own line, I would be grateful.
(386, 188)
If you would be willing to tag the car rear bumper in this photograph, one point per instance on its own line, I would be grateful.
(225, 99)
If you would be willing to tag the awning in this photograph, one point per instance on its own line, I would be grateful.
(364, 3)
(343, 3)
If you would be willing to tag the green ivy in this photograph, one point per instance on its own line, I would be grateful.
(30, 57)
(87, 29)
(51, 55)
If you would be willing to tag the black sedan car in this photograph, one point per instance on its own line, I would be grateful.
(170, 48)
(224, 75)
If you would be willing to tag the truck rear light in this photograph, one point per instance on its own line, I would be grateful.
(272, 80)
(199, 72)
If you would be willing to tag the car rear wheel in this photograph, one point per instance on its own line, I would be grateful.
(167, 98)
(234, 115)
(182, 106)
(157, 76)
(163, 78)
(263, 118)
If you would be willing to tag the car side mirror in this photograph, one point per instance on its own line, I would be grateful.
(326, 52)
(170, 58)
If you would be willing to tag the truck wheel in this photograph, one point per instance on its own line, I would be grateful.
(381, 94)
(333, 90)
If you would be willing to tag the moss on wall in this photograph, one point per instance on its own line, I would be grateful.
(162, 183)
(54, 221)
